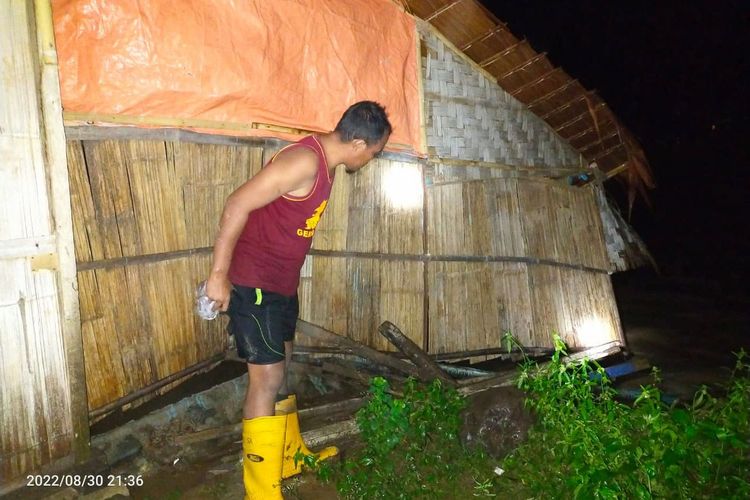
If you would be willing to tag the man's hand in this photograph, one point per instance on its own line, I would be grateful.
(219, 289)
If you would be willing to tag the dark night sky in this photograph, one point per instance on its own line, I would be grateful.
(677, 73)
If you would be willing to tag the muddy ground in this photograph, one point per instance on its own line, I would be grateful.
(688, 329)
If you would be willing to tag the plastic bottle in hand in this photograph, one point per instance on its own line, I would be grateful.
(204, 306)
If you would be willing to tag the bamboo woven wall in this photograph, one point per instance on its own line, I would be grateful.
(470, 117)
(455, 256)
(145, 214)
(492, 253)
(625, 248)
(36, 421)
(579, 116)
(523, 220)
(376, 213)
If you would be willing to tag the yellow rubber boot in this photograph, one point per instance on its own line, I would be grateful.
(293, 441)
(262, 450)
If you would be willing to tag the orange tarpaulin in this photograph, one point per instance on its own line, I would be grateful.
(231, 66)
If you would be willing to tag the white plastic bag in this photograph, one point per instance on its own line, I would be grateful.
(204, 306)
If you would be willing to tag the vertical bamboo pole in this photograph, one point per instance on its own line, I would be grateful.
(57, 171)
(423, 148)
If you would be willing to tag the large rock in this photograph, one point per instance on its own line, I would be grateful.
(497, 420)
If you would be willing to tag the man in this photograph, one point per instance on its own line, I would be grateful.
(265, 232)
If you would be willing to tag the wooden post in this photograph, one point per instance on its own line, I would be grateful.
(57, 171)
(428, 369)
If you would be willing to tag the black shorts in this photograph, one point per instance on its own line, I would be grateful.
(261, 322)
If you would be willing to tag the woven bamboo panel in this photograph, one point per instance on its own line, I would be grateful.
(562, 223)
(35, 420)
(36, 425)
(516, 218)
(379, 209)
(379, 212)
(577, 305)
(625, 248)
(475, 218)
(473, 304)
(206, 175)
(139, 326)
(470, 117)
(354, 295)
(577, 115)
(135, 199)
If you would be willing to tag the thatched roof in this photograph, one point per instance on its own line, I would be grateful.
(576, 114)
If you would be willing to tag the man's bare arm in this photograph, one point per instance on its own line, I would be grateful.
(291, 171)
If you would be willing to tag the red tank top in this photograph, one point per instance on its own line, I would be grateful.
(272, 247)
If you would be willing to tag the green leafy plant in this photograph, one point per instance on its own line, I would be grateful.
(587, 444)
(411, 448)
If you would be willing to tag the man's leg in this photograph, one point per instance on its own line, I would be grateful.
(263, 434)
(288, 348)
(263, 385)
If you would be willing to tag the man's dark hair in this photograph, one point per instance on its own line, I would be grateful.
(364, 120)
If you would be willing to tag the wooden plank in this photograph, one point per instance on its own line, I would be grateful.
(428, 369)
(401, 301)
(332, 338)
(348, 405)
(509, 378)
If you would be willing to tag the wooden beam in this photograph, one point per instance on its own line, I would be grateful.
(422, 147)
(316, 438)
(579, 117)
(346, 372)
(523, 65)
(561, 107)
(329, 337)
(453, 258)
(500, 54)
(73, 118)
(508, 378)
(484, 36)
(607, 152)
(568, 104)
(442, 10)
(142, 259)
(590, 145)
(588, 130)
(347, 405)
(501, 352)
(528, 171)
(551, 94)
(616, 171)
(534, 82)
(203, 365)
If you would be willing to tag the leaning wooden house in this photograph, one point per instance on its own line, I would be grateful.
(120, 140)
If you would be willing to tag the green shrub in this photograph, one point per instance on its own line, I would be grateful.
(586, 443)
(411, 448)
(589, 445)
